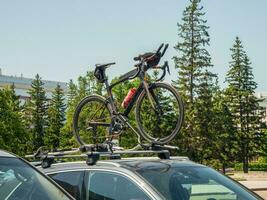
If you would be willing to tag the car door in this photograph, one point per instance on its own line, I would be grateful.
(71, 181)
(110, 185)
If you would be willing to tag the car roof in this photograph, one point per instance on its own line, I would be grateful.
(4, 153)
(132, 164)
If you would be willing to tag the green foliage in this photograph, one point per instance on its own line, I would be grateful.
(244, 105)
(220, 127)
(76, 92)
(127, 138)
(252, 166)
(155, 125)
(13, 135)
(224, 144)
(195, 83)
(214, 163)
(56, 118)
(66, 139)
(37, 112)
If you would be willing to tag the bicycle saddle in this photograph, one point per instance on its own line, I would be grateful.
(102, 66)
(100, 73)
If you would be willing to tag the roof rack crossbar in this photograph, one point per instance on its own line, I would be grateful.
(94, 152)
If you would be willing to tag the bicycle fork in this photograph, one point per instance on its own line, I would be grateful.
(149, 95)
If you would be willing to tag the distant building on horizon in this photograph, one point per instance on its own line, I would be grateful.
(263, 95)
(22, 85)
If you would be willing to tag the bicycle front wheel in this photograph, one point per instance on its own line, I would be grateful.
(91, 120)
(161, 121)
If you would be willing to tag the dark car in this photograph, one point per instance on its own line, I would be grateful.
(144, 179)
(21, 181)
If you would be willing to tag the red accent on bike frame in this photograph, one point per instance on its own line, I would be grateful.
(128, 97)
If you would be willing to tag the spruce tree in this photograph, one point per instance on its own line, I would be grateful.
(86, 85)
(194, 78)
(56, 118)
(225, 146)
(37, 107)
(205, 129)
(244, 104)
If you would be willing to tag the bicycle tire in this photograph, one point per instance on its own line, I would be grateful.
(179, 123)
(77, 112)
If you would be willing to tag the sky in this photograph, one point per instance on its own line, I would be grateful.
(63, 39)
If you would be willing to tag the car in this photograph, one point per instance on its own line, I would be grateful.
(145, 178)
(21, 181)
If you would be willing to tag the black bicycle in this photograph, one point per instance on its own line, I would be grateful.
(159, 110)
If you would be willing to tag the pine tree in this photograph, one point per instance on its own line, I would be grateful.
(37, 110)
(225, 146)
(244, 104)
(194, 78)
(13, 134)
(205, 114)
(56, 118)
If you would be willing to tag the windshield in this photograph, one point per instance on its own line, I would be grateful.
(194, 183)
(19, 181)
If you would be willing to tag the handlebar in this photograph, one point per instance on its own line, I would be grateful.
(150, 56)
(160, 47)
(164, 50)
(164, 68)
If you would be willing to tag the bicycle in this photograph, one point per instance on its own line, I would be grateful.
(159, 108)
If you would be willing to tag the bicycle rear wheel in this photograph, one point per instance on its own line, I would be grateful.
(91, 120)
(162, 123)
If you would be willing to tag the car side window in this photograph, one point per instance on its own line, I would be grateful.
(18, 180)
(112, 186)
(71, 181)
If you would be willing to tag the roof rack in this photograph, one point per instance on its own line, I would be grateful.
(93, 153)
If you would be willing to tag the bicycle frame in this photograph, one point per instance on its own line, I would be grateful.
(141, 75)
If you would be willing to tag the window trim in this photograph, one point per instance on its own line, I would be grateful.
(139, 183)
(81, 184)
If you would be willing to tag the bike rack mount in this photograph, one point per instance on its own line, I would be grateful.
(93, 153)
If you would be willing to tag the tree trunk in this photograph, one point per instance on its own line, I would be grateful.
(224, 168)
(245, 164)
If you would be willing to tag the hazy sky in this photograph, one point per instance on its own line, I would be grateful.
(64, 38)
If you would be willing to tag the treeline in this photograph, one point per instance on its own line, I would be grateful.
(221, 127)
(37, 122)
